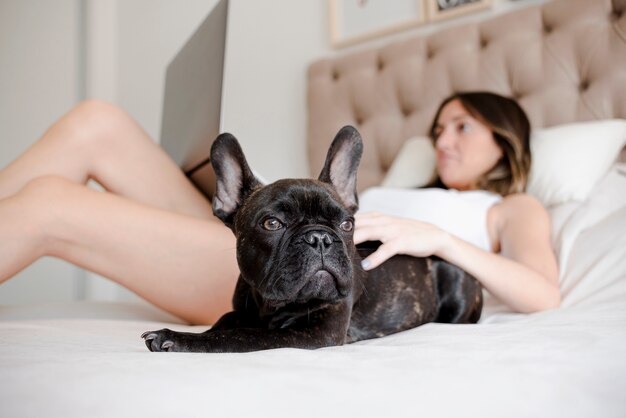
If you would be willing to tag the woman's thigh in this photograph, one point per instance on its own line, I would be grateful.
(97, 140)
(180, 263)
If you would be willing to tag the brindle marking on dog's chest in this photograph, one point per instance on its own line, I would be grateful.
(404, 298)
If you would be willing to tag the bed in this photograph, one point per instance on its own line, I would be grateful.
(566, 63)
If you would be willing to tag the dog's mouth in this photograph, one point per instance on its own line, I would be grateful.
(324, 278)
(322, 285)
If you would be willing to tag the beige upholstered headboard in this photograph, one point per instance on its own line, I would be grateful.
(564, 61)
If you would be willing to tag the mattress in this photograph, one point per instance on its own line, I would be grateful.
(87, 359)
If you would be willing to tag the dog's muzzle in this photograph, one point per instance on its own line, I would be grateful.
(327, 282)
(318, 239)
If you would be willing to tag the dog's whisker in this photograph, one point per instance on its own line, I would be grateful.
(364, 288)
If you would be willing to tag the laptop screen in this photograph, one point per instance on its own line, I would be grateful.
(192, 102)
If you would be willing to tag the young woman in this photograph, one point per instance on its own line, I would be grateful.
(483, 160)
(155, 234)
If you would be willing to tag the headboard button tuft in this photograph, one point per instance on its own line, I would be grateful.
(584, 85)
(547, 28)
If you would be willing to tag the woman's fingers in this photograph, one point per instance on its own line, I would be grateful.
(369, 218)
(382, 254)
(370, 233)
(383, 231)
(398, 236)
(370, 226)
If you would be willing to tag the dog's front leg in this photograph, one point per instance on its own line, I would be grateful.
(323, 328)
(237, 319)
(162, 339)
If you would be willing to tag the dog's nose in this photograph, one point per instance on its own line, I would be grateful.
(318, 239)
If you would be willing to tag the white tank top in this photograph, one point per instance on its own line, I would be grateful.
(463, 214)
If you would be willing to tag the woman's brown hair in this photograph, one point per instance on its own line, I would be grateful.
(511, 130)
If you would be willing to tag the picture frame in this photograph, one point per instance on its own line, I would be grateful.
(354, 21)
(445, 9)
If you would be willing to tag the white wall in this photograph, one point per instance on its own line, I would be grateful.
(270, 45)
(54, 53)
(39, 80)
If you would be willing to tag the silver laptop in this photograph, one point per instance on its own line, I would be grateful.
(192, 106)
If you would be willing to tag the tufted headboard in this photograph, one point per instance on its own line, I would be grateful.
(564, 61)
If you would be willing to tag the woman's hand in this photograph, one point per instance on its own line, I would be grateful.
(398, 236)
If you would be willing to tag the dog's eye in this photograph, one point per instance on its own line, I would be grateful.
(346, 226)
(272, 224)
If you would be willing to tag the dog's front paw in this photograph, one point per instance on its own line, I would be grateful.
(161, 340)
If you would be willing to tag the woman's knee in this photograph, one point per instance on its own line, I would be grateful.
(42, 202)
(43, 193)
(97, 124)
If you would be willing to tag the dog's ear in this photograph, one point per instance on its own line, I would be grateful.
(341, 165)
(235, 180)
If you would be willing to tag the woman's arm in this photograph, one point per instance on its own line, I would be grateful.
(524, 276)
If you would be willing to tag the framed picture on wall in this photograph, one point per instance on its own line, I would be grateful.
(444, 9)
(353, 21)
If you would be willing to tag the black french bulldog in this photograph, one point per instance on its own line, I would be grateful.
(301, 283)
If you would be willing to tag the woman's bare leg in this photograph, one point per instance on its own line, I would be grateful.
(180, 263)
(96, 140)
(99, 141)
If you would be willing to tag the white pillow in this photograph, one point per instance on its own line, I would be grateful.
(414, 166)
(568, 160)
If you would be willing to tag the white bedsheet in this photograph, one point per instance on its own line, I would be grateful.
(87, 359)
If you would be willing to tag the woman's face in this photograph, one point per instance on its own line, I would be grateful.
(466, 149)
